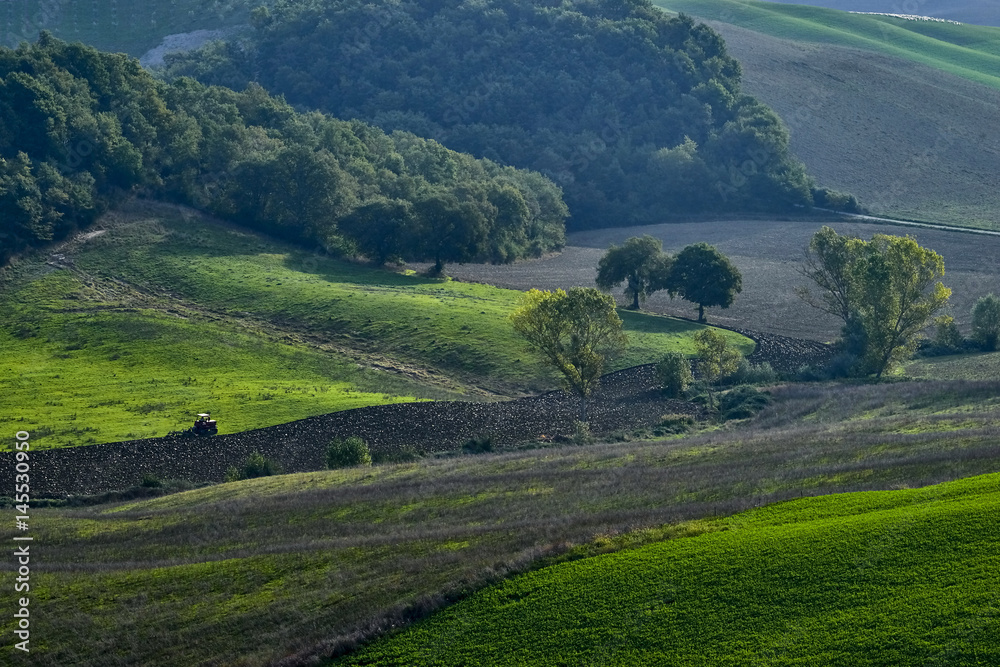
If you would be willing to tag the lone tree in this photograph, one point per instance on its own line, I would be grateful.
(703, 275)
(640, 263)
(716, 358)
(885, 290)
(986, 322)
(575, 331)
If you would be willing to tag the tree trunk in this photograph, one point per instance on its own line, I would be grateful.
(635, 302)
(583, 409)
(701, 313)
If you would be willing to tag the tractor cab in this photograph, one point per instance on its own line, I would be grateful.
(205, 425)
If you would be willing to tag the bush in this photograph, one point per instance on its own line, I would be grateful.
(405, 454)
(256, 465)
(673, 424)
(150, 481)
(742, 402)
(352, 451)
(479, 445)
(674, 373)
(748, 373)
(581, 434)
(986, 322)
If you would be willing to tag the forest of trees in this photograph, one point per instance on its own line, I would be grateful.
(637, 115)
(79, 129)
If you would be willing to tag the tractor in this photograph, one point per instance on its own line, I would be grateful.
(204, 425)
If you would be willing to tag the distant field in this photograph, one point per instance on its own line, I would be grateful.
(166, 313)
(883, 578)
(976, 366)
(130, 26)
(969, 51)
(248, 572)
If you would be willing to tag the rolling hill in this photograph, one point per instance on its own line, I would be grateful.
(901, 113)
(980, 12)
(887, 578)
(308, 564)
(161, 312)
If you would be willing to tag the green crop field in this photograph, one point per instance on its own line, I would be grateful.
(880, 578)
(166, 313)
(969, 51)
(249, 572)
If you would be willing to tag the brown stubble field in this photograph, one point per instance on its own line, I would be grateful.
(769, 255)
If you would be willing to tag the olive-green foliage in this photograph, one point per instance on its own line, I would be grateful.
(635, 114)
(256, 465)
(640, 263)
(81, 128)
(885, 290)
(742, 402)
(347, 452)
(986, 321)
(748, 373)
(716, 358)
(575, 332)
(478, 445)
(704, 276)
(947, 337)
(674, 373)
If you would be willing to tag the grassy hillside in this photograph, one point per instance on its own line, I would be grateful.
(165, 313)
(882, 578)
(252, 571)
(969, 51)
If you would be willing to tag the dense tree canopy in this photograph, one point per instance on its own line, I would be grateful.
(80, 128)
(637, 115)
(885, 290)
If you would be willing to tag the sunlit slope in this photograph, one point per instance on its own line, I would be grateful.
(881, 578)
(969, 51)
(165, 313)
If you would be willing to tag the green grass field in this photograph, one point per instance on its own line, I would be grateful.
(168, 313)
(974, 366)
(880, 578)
(249, 572)
(969, 51)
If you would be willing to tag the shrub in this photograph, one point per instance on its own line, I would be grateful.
(673, 424)
(748, 373)
(256, 465)
(581, 434)
(352, 451)
(986, 322)
(150, 481)
(405, 454)
(479, 445)
(742, 402)
(674, 373)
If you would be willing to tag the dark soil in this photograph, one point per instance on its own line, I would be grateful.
(627, 400)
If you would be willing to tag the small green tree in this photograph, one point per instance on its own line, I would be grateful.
(674, 373)
(704, 276)
(885, 290)
(986, 322)
(946, 333)
(256, 465)
(716, 358)
(640, 263)
(348, 452)
(575, 332)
